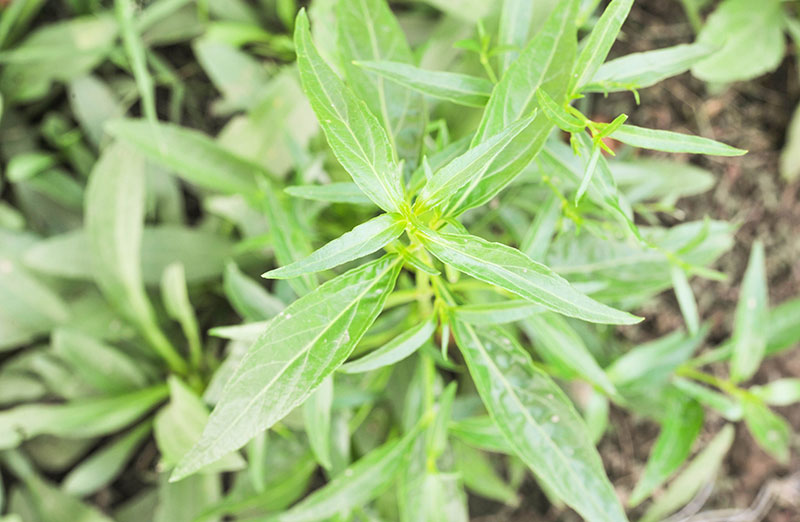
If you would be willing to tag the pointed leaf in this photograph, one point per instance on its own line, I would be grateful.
(512, 270)
(461, 89)
(771, 431)
(300, 347)
(317, 418)
(672, 142)
(394, 351)
(749, 333)
(359, 242)
(538, 420)
(679, 429)
(598, 43)
(356, 137)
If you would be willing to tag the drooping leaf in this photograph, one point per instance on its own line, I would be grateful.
(749, 333)
(461, 89)
(512, 270)
(538, 421)
(300, 347)
(672, 142)
(359, 242)
(356, 137)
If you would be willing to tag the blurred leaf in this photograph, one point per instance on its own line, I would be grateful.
(597, 45)
(343, 192)
(782, 392)
(672, 142)
(317, 420)
(480, 476)
(790, 155)
(784, 328)
(248, 297)
(771, 431)
(749, 335)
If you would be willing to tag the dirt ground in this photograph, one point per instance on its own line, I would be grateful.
(750, 192)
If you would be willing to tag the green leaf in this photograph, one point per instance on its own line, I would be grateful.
(367, 30)
(105, 464)
(114, 222)
(790, 155)
(556, 341)
(538, 420)
(135, 50)
(672, 142)
(558, 114)
(641, 70)
(359, 242)
(83, 418)
(480, 476)
(516, 17)
(696, 475)
(771, 431)
(355, 486)
(538, 237)
(355, 135)
(461, 89)
(394, 351)
(202, 253)
(546, 63)
(191, 154)
(749, 333)
(782, 392)
(317, 420)
(175, 296)
(751, 39)
(178, 426)
(300, 347)
(249, 297)
(686, 300)
(105, 368)
(729, 408)
(481, 432)
(342, 192)
(496, 313)
(471, 165)
(597, 45)
(186, 500)
(680, 426)
(512, 270)
(784, 328)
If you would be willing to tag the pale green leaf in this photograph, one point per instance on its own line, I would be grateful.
(317, 420)
(394, 351)
(461, 89)
(672, 142)
(367, 30)
(597, 45)
(782, 392)
(359, 242)
(105, 464)
(538, 421)
(680, 426)
(342, 192)
(300, 347)
(496, 313)
(191, 154)
(480, 476)
(696, 475)
(749, 333)
(136, 54)
(84, 418)
(356, 137)
(516, 17)
(686, 300)
(175, 296)
(512, 270)
(249, 297)
(771, 431)
(790, 155)
(751, 40)
(356, 485)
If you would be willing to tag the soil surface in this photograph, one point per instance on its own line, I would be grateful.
(749, 192)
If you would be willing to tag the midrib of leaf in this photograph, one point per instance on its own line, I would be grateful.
(532, 421)
(363, 154)
(506, 271)
(302, 352)
(376, 55)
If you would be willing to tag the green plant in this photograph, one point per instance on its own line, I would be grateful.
(421, 368)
